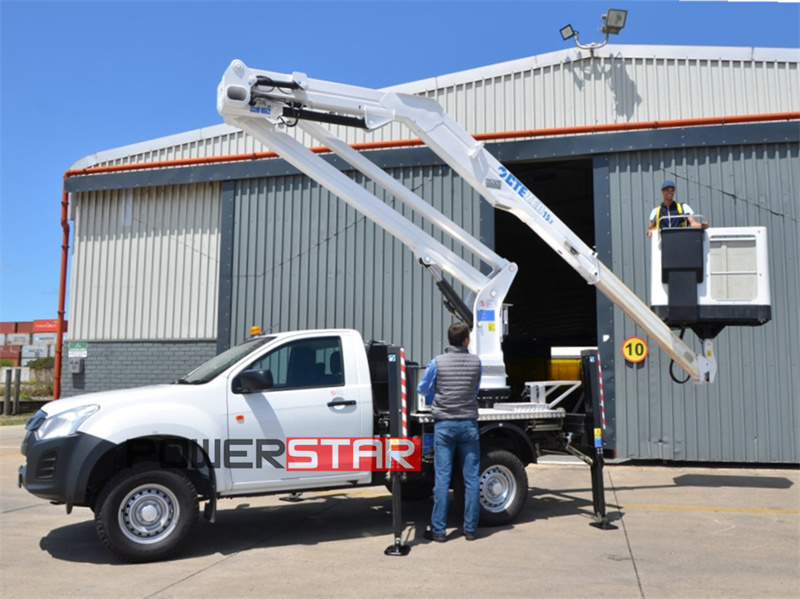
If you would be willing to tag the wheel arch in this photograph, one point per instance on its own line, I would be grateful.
(169, 451)
(508, 436)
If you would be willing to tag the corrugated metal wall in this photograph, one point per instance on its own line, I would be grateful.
(304, 259)
(145, 263)
(558, 89)
(752, 412)
(619, 86)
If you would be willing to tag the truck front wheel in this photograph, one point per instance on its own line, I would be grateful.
(146, 513)
(503, 487)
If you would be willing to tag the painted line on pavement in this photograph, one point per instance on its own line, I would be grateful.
(681, 508)
(677, 508)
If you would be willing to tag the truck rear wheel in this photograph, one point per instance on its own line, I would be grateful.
(503, 487)
(146, 513)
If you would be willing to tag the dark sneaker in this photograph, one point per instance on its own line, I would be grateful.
(470, 535)
(432, 536)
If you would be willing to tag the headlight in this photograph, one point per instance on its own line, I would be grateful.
(65, 423)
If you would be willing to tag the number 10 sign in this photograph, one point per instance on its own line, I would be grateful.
(634, 350)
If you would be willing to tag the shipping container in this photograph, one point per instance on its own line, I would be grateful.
(34, 351)
(8, 327)
(25, 327)
(10, 351)
(47, 326)
(44, 338)
(18, 339)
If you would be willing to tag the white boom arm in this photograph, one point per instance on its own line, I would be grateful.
(260, 101)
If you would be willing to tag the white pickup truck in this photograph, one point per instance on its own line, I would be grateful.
(143, 459)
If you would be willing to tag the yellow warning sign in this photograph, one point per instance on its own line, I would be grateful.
(634, 349)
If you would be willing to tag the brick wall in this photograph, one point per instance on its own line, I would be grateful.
(123, 364)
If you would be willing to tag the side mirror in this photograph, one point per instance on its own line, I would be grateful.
(251, 381)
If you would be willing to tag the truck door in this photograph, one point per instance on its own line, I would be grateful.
(314, 395)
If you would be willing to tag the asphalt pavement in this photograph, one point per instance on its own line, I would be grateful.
(680, 532)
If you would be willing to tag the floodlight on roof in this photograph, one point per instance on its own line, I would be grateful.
(614, 20)
(567, 32)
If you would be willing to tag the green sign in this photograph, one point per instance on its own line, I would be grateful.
(78, 349)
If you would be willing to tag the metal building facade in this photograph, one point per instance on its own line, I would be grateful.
(622, 84)
(301, 259)
(145, 263)
(558, 89)
(144, 282)
(752, 412)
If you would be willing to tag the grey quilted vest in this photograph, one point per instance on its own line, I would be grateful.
(457, 375)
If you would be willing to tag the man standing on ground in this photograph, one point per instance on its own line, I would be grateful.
(453, 379)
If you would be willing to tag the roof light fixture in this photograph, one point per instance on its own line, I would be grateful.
(613, 22)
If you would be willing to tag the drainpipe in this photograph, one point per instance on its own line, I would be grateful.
(62, 290)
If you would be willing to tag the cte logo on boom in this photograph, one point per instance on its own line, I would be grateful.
(512, 181)
(522, 191)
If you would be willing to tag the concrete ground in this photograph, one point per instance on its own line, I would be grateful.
(682, 532)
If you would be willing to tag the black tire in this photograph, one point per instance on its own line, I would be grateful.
(146, 513)
(503, 488)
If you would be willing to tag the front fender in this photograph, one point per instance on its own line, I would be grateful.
(164, 420)
(197, 424)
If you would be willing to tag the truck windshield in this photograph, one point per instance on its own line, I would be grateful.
(223, 361)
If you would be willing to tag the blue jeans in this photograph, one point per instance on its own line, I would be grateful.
(456, 438)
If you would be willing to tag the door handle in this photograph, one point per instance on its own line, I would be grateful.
(338, 403)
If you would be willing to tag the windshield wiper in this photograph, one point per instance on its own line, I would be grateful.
(185, 381)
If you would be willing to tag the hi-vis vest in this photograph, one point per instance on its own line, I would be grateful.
(681, 222)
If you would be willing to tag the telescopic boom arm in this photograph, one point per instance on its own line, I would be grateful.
(260, 102)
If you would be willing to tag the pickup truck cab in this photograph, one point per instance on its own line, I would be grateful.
(141, 458)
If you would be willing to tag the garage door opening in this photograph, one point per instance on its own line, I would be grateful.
(552, 305)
